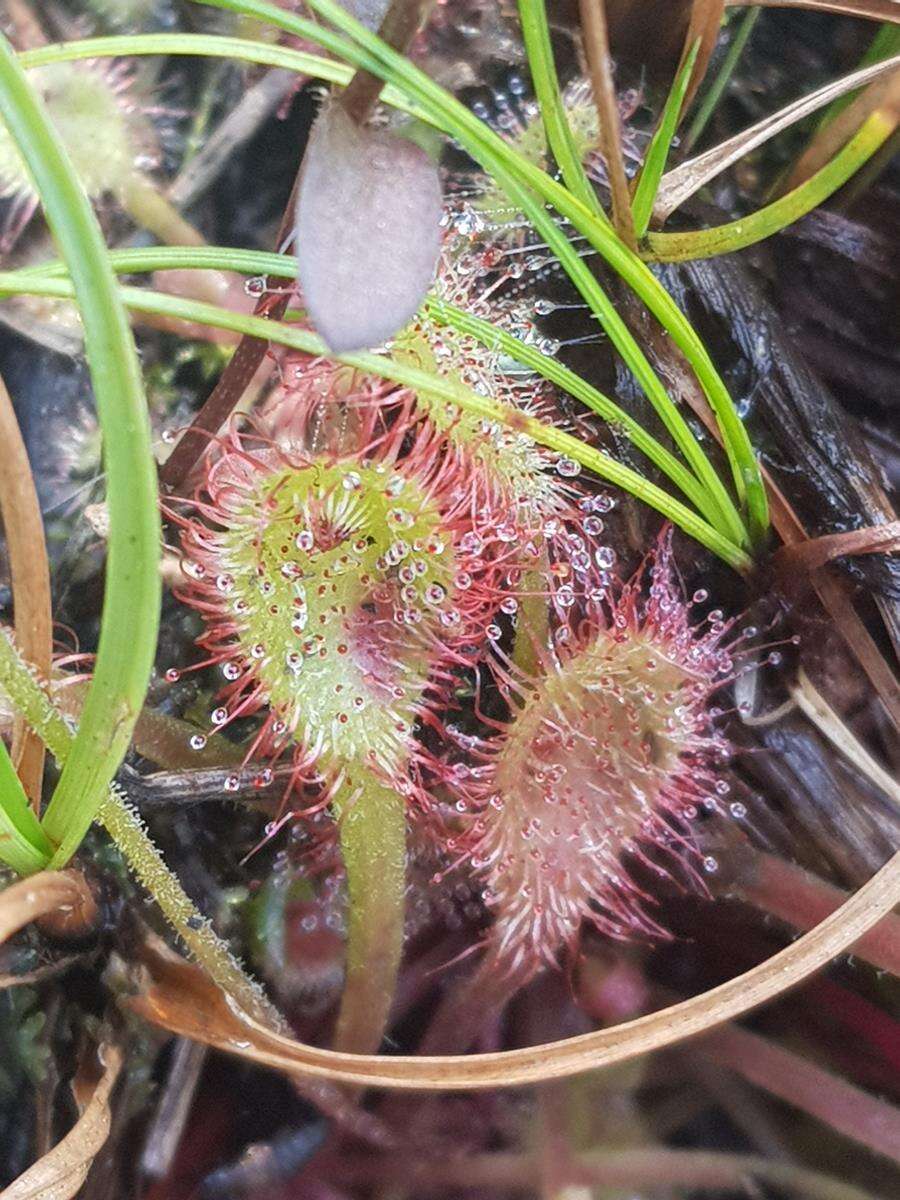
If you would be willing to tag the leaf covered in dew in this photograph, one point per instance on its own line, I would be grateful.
(368, 231)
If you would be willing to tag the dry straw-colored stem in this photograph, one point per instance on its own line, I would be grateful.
(61, 1172)
(57, 893)
(596, 47)
(882, 95)
(30, 575)
(177, 1003)
(816, 709)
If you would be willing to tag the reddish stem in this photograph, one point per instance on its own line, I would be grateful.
(803, 900)
(842, 1106)
(628, 1170)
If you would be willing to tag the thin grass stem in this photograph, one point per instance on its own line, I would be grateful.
(261, 264)
(713, 95)
(539, 50)
(143, 300)
(746, 231)
(661, 143)
(130, 618)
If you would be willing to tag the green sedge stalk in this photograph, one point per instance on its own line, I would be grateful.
(205, 45)
(747, 231)
(539, 51)
(555, 372)
(447, 114)
(562, 443)
(661, 143)
(639, 365)
(262, 263)
(715, 91)
(130, 619)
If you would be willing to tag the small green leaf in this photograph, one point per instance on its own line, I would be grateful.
(661, 144)
(23, 844)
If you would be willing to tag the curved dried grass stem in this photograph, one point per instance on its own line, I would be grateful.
(816, 708)
(596, 45)
(873, 10)
(60, 1173)
(176, 1008)
(59, 892)
(30, 575)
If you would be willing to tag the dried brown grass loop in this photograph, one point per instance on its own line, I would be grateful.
(60, 894)
(182, 1000)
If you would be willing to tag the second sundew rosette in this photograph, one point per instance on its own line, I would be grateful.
(347, 568)
(584, 787)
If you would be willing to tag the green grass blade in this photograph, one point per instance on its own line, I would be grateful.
(261, 263)
(590, 457)
(660, 145)
(23, 844)
(447, 114)
(131, 603)
(205, 45)
(539, 50)
(714, 92)
(746, 231)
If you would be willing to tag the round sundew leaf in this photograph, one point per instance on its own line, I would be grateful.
(368, 231)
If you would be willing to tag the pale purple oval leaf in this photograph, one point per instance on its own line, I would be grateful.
(368, 231)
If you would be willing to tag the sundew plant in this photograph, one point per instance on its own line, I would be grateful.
(465, 631)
